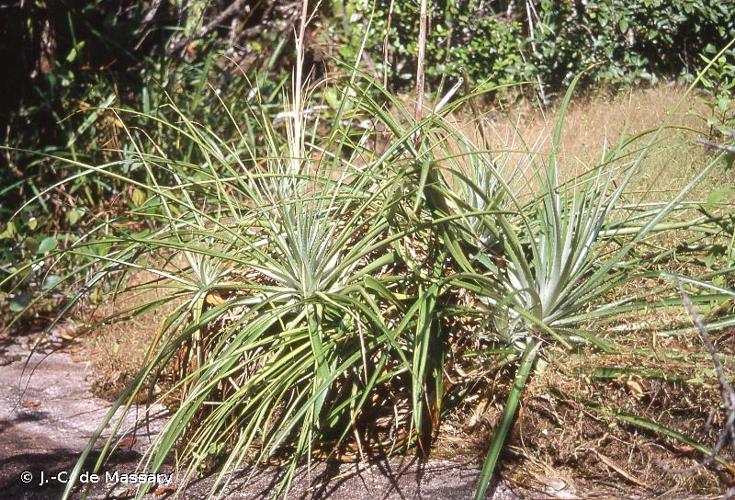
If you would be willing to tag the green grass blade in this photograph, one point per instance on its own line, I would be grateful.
(511, 406)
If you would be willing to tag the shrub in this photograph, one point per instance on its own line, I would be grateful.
(545, 41)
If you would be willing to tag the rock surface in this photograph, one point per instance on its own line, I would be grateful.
(47, 415)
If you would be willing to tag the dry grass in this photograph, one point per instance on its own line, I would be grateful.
(562, 444)
(602, 119)
(117, 349)
(595, 119)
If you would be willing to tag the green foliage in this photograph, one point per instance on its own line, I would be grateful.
(626, 41)
(66, 103)
(719, 85)
(464, 38)
(629, 41)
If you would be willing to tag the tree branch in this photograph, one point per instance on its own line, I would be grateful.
(713, 145)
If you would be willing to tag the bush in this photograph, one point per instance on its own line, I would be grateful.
(499, 43)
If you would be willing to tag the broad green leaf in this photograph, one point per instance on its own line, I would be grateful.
(74, 215)
(9, 231)
(51, 281)
(46, 245)
(138, 197)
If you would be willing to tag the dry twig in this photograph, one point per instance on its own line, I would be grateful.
(420, 63)
(713, 145)
(230, 11)
(728, 395)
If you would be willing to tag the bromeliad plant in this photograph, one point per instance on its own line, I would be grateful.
(290, 308)
(541, 264)
(543, 268)
(296, 328)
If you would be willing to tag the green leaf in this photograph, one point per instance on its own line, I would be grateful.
(330, 95)
(717, 196)
(74, 52)
(20, 302)
(138, 197)
(511, 406)
(74, 215)
(46, 245)
(51, 281)
(723, 103)
(671, 433)
(9, 231)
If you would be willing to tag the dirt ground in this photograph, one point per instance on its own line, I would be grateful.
(560, 448)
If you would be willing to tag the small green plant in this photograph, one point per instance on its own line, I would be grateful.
(719, 82)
